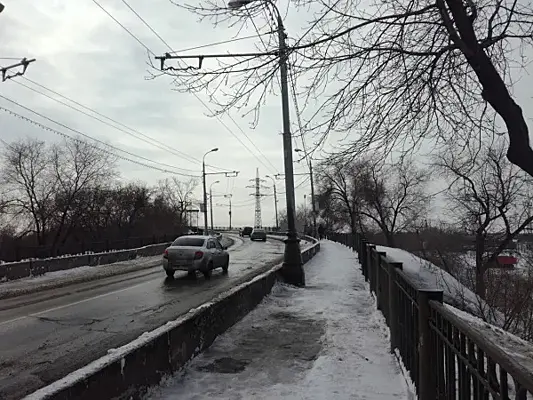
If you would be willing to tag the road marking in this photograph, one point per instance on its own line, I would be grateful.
(73, 304)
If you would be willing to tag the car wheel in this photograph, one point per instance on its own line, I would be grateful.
(207, 273)
(170, 274)
(225, 267)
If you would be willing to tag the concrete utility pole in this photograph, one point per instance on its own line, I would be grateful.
(275, 200)
(292, 269)
(211, 201)
(229, 196)
(205, 190)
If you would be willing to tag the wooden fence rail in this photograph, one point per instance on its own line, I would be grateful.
(445, 357)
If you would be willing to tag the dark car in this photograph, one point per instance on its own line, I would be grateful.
(259, 234)
(247, 231)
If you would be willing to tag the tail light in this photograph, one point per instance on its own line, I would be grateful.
(198, 255)
(165, 254)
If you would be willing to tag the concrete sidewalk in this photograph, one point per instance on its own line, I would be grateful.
(326, 341)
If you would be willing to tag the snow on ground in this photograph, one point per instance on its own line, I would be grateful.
(325, 341)
(428, 276)
(71, 276)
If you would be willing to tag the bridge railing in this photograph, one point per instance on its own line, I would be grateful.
(445, 356)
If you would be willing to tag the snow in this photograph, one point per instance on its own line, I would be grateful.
(324, 341)
(428, 276)
(516, 348)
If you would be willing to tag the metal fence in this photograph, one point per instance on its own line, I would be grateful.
(446, 358)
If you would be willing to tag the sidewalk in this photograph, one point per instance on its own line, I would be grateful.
(326, 341)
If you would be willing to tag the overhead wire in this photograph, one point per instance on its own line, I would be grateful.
(155, 142)
(197, 97)
(88, 136)
(47, 128)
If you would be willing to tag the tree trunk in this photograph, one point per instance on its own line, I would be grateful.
(481, 289)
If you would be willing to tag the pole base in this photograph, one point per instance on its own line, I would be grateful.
(292, 270)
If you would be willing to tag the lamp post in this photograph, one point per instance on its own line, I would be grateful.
(211, 201)
(205, 190)
(313, 201)
(292, 269)
(275, 200)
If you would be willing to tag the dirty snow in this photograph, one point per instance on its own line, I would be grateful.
(57, 279)
(326, 341)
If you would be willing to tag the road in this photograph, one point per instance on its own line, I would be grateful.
(46, 335)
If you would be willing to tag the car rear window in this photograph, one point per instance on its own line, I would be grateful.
(188, 241)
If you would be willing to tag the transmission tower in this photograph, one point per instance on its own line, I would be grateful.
(257, 194)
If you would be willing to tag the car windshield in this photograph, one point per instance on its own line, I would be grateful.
(189, 241)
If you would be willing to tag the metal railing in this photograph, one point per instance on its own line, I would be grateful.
(447, 358)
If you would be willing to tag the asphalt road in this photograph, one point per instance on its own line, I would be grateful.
(46, 335)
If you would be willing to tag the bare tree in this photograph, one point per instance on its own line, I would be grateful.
(30, 185)
(397, 71)
(178, 194)
(77, 166)
(391, 197)
(490, 199)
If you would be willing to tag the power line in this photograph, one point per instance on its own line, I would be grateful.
(177, 152)
(47, 128)
(213, 44)
(85, 135)
(203, 103)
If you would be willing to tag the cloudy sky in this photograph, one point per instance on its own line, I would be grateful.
(86, 56)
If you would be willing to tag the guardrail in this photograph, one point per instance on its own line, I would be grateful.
(446, 358)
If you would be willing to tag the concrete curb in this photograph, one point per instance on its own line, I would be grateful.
(126, 372)
(89, 278)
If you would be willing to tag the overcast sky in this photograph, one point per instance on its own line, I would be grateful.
(83, 54)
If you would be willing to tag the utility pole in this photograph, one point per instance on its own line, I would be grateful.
(292, 268)
(22, 63)
(275, 200)
(229, 196)
(211, 201)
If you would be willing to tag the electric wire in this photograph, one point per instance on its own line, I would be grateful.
(87, 136)
(160, 146)
(47, 128)
(197, 97)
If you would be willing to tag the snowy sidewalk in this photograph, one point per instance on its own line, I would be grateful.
(326, 341)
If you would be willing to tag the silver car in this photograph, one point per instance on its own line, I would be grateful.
(193, 253)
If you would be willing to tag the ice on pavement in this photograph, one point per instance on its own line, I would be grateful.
(326, 341)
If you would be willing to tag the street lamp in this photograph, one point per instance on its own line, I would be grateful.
(313, 205)
(275, 200)
(211, 202)
(205, 190)
(292, 269)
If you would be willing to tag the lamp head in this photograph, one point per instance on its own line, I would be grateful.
(215, 149)
(1, 7)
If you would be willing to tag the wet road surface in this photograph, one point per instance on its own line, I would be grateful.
(46, 335)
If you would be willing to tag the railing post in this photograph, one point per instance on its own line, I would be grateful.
(393, 304)
(378, 277)
(370, 265)
(426, 371)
